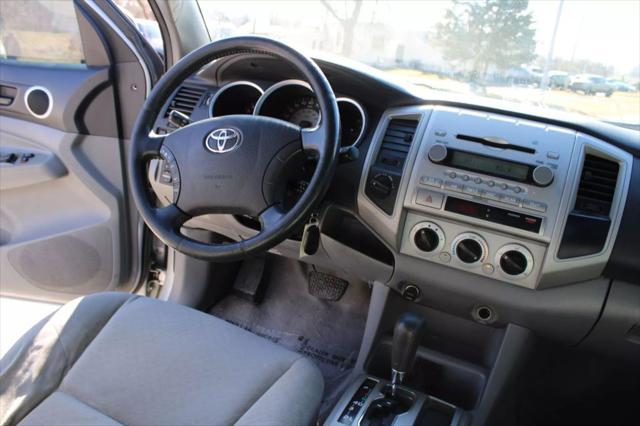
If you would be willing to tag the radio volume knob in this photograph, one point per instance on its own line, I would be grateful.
(438, 153)
(542, 176)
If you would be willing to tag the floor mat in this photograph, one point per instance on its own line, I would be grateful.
(327, 332)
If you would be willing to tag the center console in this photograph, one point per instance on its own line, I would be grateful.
(497, 196)
(372, 400)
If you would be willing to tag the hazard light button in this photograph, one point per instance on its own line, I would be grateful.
(427, 198)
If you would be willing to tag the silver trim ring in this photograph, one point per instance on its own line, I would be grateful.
(49, 108)
(277, 86)
(362, 114)
(435, 228)
(229, 86)
(520, 249)
(470, 236)
(301, 83)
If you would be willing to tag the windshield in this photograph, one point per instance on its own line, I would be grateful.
(499, 49)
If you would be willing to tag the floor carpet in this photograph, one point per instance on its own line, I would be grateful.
(329, 333)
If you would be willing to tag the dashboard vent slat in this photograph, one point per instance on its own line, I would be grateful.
(597, 185)
(185, 100)
(396, 143)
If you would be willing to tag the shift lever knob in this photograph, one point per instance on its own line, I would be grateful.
(406, 338)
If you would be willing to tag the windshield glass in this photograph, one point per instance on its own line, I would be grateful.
(577, 56)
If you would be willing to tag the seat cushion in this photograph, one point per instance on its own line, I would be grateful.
(158, 363)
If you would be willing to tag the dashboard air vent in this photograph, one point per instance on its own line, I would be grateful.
(185, 100)
(385, 174)
(587, 227)
(396, 143)
(597, 185)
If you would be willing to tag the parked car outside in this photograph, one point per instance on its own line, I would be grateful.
(559, 79)
(621, 86)
(591, 84)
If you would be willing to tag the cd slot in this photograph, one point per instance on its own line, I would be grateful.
(495, 143)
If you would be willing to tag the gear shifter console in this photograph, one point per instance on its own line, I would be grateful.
(375, 402)
(406, 338)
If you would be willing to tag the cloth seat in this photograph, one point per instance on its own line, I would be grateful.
(114, 358)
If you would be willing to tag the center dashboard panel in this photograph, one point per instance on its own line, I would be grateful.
(518, 201)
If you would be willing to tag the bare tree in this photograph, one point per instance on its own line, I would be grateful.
(348, 23)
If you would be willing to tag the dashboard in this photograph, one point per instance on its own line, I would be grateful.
(452, 204)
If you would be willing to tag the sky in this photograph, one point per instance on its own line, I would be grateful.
(605, 31)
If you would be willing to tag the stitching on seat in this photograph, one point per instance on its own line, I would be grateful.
(268, 389)
(70, 395)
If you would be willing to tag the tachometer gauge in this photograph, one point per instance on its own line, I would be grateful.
(303, 111)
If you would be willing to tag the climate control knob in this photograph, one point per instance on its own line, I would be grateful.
(426, 239)
(437, 153)
(470, 248)
(514, 260)
(542, 176)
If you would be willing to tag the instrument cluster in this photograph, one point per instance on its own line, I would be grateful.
(289, 100)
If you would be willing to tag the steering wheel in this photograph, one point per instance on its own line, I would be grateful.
(232, 164)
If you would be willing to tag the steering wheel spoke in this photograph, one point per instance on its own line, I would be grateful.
(151, 146)
(314, 140)
(271, 218)
(172, 217)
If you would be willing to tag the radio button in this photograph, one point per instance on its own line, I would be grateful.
(504, 186)
(465, 177)
(452, 186)
(431, 181)
(491, 183)
(510, 199)
(517, 189)
(472, 191)
(490, 195)
(453, 175)
(534, 205)
(552, 155)
(477, 180)
(427, 198)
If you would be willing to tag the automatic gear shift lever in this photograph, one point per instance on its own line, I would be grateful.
(406, 338)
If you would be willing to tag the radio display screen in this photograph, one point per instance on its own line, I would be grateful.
(489, 165)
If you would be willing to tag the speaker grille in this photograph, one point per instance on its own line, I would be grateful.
(38, 101)
(75, 263)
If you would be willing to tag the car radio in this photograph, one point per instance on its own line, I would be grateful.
(484, 193)
(502, 172)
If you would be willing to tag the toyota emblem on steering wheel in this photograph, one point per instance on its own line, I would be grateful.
(223, 140)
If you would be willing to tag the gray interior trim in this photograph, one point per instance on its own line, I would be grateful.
(147, 76)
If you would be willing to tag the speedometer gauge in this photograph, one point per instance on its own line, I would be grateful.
(303, 111)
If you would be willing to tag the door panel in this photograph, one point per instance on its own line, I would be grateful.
(65, 224)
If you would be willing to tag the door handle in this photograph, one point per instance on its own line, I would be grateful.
(6, 100)
(7, 95)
